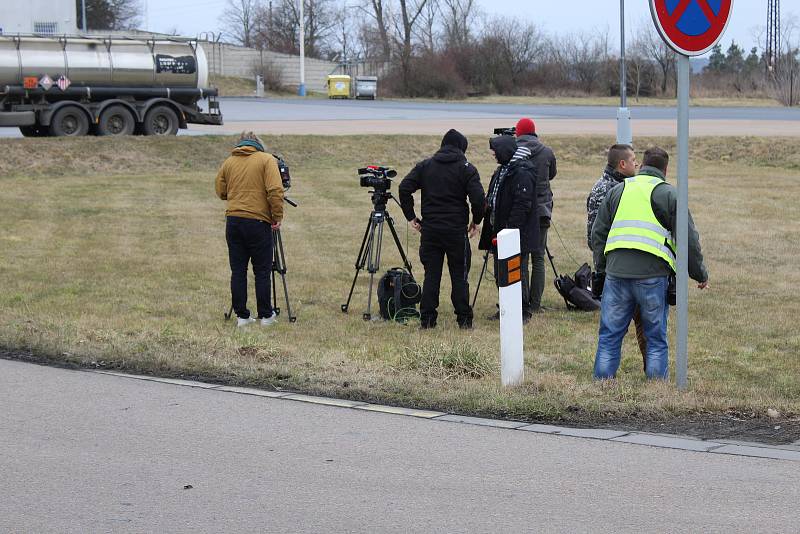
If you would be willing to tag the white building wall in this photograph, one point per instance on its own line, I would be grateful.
(46, 16)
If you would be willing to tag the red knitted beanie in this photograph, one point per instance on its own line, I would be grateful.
(526, 126)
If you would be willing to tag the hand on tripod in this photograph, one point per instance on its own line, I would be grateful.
(473, 230)
(276, 225)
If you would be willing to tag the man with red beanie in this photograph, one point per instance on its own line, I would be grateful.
(544, 169)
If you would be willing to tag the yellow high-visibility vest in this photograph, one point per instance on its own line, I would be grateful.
(635, 226)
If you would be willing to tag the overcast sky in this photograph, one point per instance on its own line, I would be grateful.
(192, 17)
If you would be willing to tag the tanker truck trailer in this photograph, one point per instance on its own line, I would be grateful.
(71, 86)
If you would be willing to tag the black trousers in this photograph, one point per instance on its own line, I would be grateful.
(249, 240)
(434, 246)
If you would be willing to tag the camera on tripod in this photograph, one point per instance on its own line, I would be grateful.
(377, 177)
(283, 168)
(506, 131)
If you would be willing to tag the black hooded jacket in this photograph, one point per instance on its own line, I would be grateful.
(544, 170)
(514, 203)
(447, 180)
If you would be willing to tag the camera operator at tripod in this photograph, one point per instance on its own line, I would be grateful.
(511, 203)
(446, 180)
(251, 183)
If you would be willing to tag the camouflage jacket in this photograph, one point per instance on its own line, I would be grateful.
(600, 189)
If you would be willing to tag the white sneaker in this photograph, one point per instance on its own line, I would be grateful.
(269, 321)
(240, 322)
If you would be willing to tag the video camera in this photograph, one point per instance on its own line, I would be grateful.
(506, 131)
(286, 178)
(377, 177)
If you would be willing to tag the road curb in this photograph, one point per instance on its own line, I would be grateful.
(660, 441)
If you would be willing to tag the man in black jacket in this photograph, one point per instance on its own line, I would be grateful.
(511, 203)
(446, 180)
(544, 170)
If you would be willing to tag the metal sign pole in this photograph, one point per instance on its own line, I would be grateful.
(301, 90)
(624, 131)
(682, 354)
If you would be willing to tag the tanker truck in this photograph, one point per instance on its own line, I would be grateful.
(71, 86)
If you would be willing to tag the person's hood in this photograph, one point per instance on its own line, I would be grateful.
(247, 147)
(531, 142)
(449, 154)
(244, 151)
(504, 146)
(455, 139)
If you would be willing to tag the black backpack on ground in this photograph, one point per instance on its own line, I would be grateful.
(398, 295)
(577, 291)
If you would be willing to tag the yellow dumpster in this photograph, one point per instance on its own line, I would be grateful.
(338, 86)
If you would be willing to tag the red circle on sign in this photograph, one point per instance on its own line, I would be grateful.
(667, 22)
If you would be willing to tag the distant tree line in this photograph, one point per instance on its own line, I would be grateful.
(449, 48)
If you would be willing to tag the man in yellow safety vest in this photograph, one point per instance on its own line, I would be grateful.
(634, 251)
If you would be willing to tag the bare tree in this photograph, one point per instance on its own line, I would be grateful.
(381, 14)
(459, 19)
(585, 55)
(276, 27)
(410, 11)
(657, 51)
(239, 18)
(109, 14)
(785, 76)
(426, 31)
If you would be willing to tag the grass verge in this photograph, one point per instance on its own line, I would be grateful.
(113, 255)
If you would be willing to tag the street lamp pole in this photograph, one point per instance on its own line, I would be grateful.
(301, 90)
(624, 131)
(83, 14)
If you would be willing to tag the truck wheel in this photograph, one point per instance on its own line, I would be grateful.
(116, 120)
(69, 121)
(33, 131)
(161, 120)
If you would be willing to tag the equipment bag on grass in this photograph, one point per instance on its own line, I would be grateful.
(398, 295)
(577, 291)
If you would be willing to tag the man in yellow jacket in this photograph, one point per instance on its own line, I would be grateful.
(250, 182)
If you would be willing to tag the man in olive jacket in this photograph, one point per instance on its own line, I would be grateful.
(633, 246)
(250, 182)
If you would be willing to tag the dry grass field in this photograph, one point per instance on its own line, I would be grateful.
(112, 254)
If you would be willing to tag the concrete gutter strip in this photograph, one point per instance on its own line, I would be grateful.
(665, 441)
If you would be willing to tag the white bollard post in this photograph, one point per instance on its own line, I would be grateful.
(259, 86)
(509, 280)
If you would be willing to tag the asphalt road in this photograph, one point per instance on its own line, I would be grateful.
(327, 117)
(85, 452)
(295, 109)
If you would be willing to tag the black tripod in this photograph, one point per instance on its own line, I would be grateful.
(278, 267)
(486, 261)
(369, 254)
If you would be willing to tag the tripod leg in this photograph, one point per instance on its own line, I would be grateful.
(276, 267)
(360, 260)
(281, 261)
(480, 278)
(374, 264)
(399, 245)
(552, 264)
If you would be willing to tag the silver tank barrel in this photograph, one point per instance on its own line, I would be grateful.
(103, 62)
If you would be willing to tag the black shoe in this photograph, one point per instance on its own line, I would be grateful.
(495, 316)
(465, 325)
(427, 325)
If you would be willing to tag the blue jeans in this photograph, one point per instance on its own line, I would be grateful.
(620, 297)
